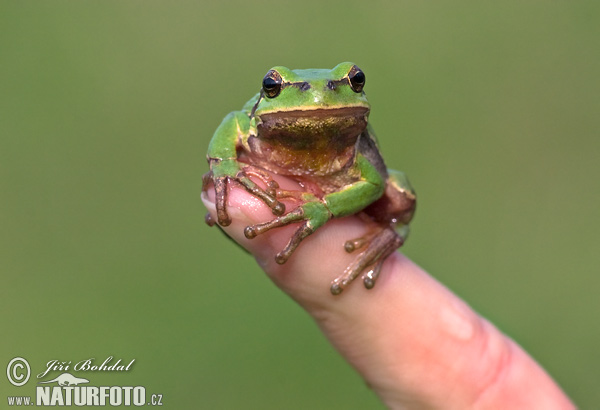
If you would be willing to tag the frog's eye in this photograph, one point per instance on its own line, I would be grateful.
(272, 84)
(357, 79)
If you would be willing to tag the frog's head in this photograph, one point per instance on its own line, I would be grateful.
(295, 106)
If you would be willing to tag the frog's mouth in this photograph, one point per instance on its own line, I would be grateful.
(303, 129)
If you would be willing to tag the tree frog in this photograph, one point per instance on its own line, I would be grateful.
(312, 126)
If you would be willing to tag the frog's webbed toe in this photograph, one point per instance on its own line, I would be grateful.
(378, 247)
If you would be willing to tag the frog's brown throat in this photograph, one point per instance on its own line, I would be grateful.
(318, 141)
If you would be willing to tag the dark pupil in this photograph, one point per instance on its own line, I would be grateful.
(269, 84)
(359, 78)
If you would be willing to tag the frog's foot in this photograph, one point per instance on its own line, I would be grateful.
(268, 196)
(312, 214)
(221, 192)
(302, 232)
(265, 177)
(378, 247)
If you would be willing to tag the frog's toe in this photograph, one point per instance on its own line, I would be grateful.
(264, 176)
(354, 244)
(336, 289)
(272, 187)
(302, 232)
(224, 220)
(371, 276)
(252, 231)
(210, 221)
(221, 201)
(293, 243)
(267, 196)
(206, 180)
(379, 247)
(278, 208)
(358, 243)
(220, 186)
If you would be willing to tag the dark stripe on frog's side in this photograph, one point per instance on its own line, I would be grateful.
(367, 146)
(303, 86)
(333, 84)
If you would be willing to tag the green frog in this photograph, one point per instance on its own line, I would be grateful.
(312, 126)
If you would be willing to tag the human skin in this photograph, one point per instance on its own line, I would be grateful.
(415, 343)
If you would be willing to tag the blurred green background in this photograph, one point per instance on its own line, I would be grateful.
(106, 110)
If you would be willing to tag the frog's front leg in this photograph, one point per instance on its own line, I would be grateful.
(315, 212)
(225, 167)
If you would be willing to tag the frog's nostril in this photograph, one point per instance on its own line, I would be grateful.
(331, 85)
(305, 86)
